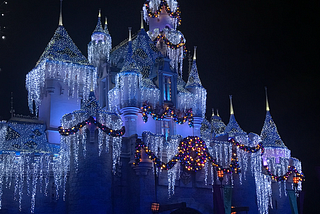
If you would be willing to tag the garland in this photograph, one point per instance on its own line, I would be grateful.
(247, 148)
(164, 3)
(291, 169)
(170, 44)
(193, 155)
(91, 120)
(169, 111)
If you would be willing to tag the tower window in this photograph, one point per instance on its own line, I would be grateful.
(167, 88)
(165, 128)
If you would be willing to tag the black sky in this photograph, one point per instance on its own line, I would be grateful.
(243, 46)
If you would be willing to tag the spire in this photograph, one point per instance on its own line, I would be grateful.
(267, 102)
(98, 28)
(269, 133)
(233, 128)
(12, 109)
(231, 106)
(218, 113)
(194, 53)
(106, 26)
(141, 20)
(212, 112)
(129, 34)
(130, 65)
(60, 17)
(194, 80)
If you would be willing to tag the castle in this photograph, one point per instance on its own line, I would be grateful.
(121, 132)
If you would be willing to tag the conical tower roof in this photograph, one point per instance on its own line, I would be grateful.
(130, 64)
(106, 31)
(144, 52)
(233, 128)
(194, 80)
(99, 28)
(61, 48)
(269, 133)
(218, 126)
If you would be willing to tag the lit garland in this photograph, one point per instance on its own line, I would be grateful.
(91, 120)
(173, 14)
(170, 44)
(247, 148)
(168, 111)
(193, 155)
(291, 169)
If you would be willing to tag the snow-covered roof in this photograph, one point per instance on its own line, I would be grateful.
(61, 48)
(269, 134)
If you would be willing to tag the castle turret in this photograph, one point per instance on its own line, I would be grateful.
(199, 95)
(125, 96)
(163, 18)
(98, 55)
(59, 80)
(233, 129)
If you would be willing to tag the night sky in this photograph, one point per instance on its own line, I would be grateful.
(243, 46)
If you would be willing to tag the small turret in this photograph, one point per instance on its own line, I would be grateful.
(195, 87)
(98, 54)
(233, 129)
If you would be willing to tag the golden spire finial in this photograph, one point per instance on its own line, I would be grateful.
(105, 21)
(99, 15)
(231, 106)
(267, 102)
(195, 53)
(212, 112)
(60, 17)
(129, 33)
(218, 113)
(141, 24)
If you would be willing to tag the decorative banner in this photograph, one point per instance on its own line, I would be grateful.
(91, 120)
(293, 201)
(168, 111)
(227, 197)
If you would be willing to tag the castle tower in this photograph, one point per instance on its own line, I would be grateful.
(163, 17)
(125, 96)
(98, 55)
(199, 94)
(278, 158)
(60, 79)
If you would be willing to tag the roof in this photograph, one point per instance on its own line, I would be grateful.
(61, 48)
(217, 125)
(144, 53)
(233, 128)
(193, 79)
(99, 28)
(25, 137)
(269, 134)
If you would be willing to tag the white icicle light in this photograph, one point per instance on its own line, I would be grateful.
(76, 77)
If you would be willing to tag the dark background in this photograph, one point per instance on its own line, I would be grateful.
(243, 46)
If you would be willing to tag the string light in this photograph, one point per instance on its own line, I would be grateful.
(167, 112)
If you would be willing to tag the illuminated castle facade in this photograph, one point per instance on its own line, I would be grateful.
(120, 130)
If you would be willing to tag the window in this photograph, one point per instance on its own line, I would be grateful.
(165, 128)
(167, 88)
(104, 92)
